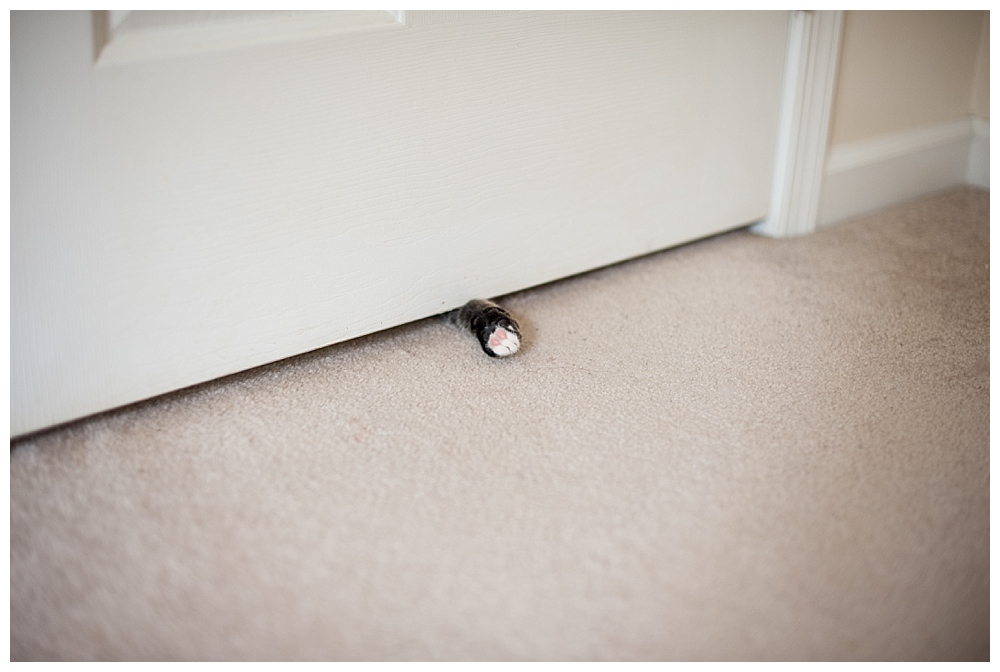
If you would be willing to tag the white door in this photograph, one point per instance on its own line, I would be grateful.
(194, 194)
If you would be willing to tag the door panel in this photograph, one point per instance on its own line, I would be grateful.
(187, 214)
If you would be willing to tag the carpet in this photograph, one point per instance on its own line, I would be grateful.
(738, 449)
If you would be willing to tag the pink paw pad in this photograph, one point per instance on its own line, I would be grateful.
(498, 336)
(503, 342)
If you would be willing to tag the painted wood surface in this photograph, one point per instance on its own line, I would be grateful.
(867, 175)
(178, 219)
(807, 96)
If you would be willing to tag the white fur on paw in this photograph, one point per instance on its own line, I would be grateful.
(503, 343)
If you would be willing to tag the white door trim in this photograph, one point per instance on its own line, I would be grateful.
(807, 98)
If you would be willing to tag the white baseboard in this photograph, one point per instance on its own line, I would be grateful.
(872, 174)
(978, 174)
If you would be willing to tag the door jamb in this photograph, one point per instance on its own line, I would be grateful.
(811, 61)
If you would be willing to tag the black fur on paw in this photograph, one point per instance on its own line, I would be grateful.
(498, 333)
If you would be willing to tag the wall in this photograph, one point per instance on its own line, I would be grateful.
(979, 105)
(904, 70)
(910, 112)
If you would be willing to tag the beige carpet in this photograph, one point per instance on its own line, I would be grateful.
(743, 448)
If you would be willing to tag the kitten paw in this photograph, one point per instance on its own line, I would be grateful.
(494, 328)
(503, 342)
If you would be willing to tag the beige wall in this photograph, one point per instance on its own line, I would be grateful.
(979, 105)
(902, 70)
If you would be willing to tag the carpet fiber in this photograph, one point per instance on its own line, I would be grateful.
(742, 448)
